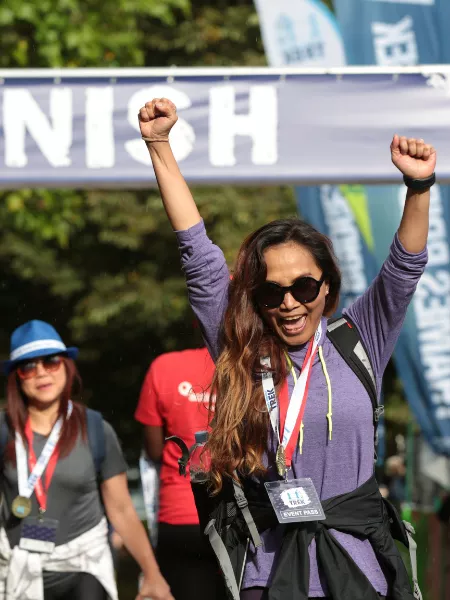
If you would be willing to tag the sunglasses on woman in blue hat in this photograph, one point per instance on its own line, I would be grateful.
(63, 467)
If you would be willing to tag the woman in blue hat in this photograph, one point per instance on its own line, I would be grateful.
(61, 468)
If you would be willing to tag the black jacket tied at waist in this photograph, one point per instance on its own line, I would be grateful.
(363, 513)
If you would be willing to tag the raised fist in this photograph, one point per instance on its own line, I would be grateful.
(157, 118)
(413, 157)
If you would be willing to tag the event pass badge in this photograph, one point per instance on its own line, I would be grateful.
(38, 534)
(295, 500)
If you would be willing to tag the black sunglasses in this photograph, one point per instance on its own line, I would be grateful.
(304, 290)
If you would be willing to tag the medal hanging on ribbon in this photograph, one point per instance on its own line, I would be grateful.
(280, 460)
(286, 417)
(21, 506)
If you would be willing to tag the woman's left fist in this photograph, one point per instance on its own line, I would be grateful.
(413, 157)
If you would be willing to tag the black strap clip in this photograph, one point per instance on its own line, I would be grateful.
(185, 453)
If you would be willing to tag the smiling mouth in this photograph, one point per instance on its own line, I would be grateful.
(45, 386)
(293, 325)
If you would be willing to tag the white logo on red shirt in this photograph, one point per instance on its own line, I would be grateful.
(187, 390)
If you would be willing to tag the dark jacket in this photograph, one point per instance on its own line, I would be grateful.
(363, 513)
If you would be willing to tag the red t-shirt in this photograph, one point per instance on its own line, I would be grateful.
(175, 396)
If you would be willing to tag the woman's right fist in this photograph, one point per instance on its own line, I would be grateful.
(157, 118)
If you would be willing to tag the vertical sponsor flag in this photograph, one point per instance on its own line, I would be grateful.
(389, 32)
(300, 33)
(443, 22)
(423, 351)
(410, 32)
(341, 212)
(305, 33)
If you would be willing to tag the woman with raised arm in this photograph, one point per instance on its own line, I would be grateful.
(293, 416)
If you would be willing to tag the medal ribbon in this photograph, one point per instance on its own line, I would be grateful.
(289, 413)
(41, 493)
(47, 459)
(270, 396)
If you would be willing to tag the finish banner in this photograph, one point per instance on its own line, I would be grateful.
(254, 126)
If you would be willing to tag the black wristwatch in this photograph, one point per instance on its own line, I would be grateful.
(419, 185)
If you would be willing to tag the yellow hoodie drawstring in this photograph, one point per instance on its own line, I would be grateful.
(330, 396)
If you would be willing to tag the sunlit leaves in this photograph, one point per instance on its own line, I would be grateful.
(58, 33)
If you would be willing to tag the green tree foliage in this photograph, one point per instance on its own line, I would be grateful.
(128, 33)
(81, 33)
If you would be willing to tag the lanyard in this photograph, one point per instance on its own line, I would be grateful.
(286, 416)
(47, 459)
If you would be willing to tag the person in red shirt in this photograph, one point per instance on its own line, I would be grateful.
(174, 400)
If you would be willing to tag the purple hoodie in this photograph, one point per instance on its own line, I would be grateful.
(346, 462)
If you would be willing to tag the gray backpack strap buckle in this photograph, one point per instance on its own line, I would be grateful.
(242, 503)
(412, 546)
(378, 412)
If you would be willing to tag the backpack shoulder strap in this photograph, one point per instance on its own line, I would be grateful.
(4, 432)
(345, 337)
(96, 438)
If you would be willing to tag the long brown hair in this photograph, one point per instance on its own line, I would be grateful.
(239, 435)
(17, 410)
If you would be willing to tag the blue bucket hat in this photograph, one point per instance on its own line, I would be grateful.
(33, 339)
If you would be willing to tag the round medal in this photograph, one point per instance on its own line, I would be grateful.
(21, 507)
